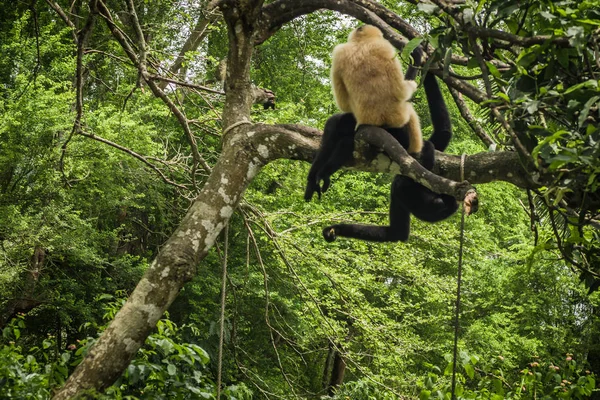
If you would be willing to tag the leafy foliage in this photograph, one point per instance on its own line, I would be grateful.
(166, 367)
(548, 90)
(99, 214)
(540, 380)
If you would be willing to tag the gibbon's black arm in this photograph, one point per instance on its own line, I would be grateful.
(413, 68)
(337, 146)
(423, 203)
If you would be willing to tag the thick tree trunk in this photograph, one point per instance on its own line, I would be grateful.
(177, 261)
(173, 267)
(337, 373)
(327, 367)
(28, 298)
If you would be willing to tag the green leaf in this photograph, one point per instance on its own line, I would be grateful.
(470, 371)
(105, 296)
(493, 70)
(448, 369)
(428, 8)
(532, 106)
(585, 111)
(547, 15)
(589, 84)
(589, 21)
(468, 15)
(65, 357)
(576, 35)
(563, 58)
(171, 369)
(410, 46)
(503, 96)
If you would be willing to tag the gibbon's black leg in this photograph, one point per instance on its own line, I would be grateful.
(397, 230)
(337, 145)
(428, 155)
(422, 202)
(407, 196)
(440, 118)
(419, 200)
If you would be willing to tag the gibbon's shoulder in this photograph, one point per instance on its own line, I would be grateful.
(343, 53)
(379, 49)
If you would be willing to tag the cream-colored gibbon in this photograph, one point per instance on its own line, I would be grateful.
(368, 82)
(407, 196)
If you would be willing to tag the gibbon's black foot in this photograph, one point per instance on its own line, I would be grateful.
(329, 233)
(311, 188)
(326, 183)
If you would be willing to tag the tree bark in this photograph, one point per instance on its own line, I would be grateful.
(173, 267)
(337, 373)
(29, 299)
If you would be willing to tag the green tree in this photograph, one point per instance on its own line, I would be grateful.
(124, 155)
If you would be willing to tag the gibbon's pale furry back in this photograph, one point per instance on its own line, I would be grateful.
(368, 82)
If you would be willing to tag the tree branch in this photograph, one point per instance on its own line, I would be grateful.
(475, 125)
(133, 154)
(280, 12)
(56, 7)
(182, 83)
(297, 142)
(139, 61)
(508, 37)
(191, 44)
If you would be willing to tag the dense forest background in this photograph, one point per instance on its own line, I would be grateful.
(109, 134)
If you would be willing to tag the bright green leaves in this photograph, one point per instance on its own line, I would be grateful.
(410, 46)
(540, 379)
(166, 364)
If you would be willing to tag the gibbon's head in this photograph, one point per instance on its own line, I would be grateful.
(365, 32)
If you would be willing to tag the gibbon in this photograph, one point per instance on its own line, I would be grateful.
(368, 82)
(407, 196)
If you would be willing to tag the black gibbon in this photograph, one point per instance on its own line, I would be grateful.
(407, 196)
(368, 60)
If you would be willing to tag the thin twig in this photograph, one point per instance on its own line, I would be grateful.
(186, 84)
(133, 154)
(475, 125)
